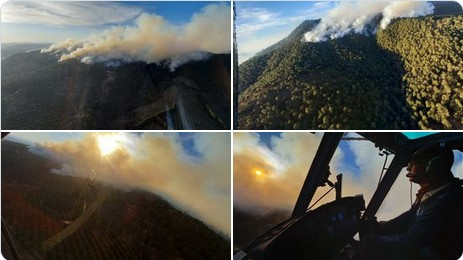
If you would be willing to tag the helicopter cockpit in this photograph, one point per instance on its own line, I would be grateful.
(327, 232)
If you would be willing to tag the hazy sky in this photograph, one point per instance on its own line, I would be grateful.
(261, 24)
(191, 170)
(274, 165)
(53, 21)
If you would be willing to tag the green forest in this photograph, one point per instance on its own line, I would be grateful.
(407, 76)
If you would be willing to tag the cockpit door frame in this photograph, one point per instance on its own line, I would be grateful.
(326, 149)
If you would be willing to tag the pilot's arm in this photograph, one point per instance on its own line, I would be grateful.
(397, 225)
(417, 230)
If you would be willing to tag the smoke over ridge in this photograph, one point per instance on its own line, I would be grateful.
(152, 39)
(354, 17)
(156, 162)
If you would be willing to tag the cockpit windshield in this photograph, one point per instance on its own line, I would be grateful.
(270, 170)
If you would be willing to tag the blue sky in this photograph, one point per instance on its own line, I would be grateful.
(265, 138)
(261, 24)
(34, 21)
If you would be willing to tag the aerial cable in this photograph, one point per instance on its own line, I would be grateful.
(326, 193)
(381, 153)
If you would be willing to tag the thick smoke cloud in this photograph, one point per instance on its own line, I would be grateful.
(283, 170)
(285, 167)
(158, 163)
(152, 39)
(350, 17)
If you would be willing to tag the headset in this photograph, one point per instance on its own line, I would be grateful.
(435, 165)
(440, 162)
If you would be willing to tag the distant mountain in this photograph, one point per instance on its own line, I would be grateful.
(8, 49)
(400, 78)
(294, 36)
(40, 93)
(62, 217)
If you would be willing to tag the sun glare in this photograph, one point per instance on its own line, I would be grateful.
(109, 143)
(258, 172)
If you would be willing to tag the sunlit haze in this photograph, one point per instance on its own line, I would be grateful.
(190, 170)
(108, 143)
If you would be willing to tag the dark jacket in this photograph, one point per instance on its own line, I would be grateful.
(431, 230)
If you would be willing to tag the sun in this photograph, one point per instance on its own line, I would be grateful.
(258, 172)
(109, 143)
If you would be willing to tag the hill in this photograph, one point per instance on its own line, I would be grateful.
(40, 93)
(248, 226)
(54, 216)
(407, 76)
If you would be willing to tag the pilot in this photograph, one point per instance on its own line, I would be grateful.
(433, 227)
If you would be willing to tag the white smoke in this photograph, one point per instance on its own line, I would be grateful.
(152, 39)
(405, 9)
(179, 60)
(350, 17)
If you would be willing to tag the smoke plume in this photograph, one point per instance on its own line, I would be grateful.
(158, 163)
(354, 17)
(179, 60)
(152, 39)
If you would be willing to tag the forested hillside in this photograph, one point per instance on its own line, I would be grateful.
(407, 76)
(432, 52)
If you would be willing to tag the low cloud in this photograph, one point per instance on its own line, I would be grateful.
(251, 20)
(155, 162)
(152, 39)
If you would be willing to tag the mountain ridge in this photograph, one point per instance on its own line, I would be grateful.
(132, 224)
(301, 77)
